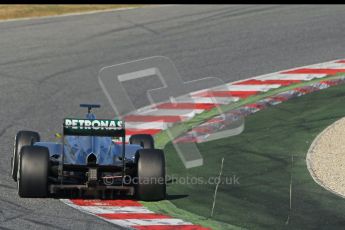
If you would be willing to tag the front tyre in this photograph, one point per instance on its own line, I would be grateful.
(22, 138)
(150, 184)
(33, 171)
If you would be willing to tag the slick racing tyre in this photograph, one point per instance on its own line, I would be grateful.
(22, 138)
(33, 171)
(150, 182)
(144, 140)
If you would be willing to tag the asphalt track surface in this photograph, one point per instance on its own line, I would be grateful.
(49, 66)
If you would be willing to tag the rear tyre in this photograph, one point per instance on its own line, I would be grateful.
(150, 184)
(33, 171)
(144, 140)
(22, 138)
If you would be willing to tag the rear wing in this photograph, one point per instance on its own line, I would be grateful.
(93, 127)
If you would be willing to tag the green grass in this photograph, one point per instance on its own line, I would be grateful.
(262, 159)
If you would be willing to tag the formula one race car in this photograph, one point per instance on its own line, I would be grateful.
(89, 160)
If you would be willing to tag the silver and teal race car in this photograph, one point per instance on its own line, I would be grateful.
(88, 159)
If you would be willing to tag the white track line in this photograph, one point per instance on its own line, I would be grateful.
(302, 77)
(143, 222)
(147, 125)
(215, 100)
(172, 112)
(328, 65)
(112, 209)
(248, 87)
